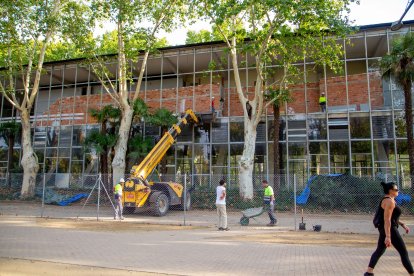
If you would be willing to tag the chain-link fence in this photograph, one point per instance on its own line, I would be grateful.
(334, 202)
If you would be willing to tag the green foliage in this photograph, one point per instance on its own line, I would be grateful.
(8, 129)
(98, 141)
(140, 108)
(162, 117)
(344, 192)
(139, 147)
(205, 198)
(107, 113)
(399, 63)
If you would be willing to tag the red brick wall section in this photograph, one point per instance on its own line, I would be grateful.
(336, 96)
(81, 104)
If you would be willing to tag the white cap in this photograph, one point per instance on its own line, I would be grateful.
(121, 180)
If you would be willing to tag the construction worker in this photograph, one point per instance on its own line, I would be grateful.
(118, 199)
(269, 202)
(322, 102)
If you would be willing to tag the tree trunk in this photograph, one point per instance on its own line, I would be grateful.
(247, 160)
(409, 128)
(29, 159)
(118, 163)
(276, 157)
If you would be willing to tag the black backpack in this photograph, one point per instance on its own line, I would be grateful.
(377, 217)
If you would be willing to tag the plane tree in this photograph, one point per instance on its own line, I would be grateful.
(26, 29)
(277, 33)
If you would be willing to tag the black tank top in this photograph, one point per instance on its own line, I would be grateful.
(396, 213)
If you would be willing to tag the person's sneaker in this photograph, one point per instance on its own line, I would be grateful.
(221, 229)
(368, 274)
(122, 218)
(225, 229)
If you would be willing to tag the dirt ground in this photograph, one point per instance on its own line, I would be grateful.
(17, 267)
(28, 267)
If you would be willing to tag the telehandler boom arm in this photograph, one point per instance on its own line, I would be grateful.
(154, 157)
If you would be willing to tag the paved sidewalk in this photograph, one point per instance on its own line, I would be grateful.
(184, 252)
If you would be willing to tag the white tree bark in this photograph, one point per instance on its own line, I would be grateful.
(247, 161)
(29, 159)
(118, 164)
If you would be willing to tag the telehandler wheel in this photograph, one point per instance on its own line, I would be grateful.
(128, 210)
(187, 204)
(159, 204)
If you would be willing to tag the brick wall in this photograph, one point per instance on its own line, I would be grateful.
(335, 91)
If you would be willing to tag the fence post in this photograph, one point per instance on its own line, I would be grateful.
(43, 195)
(99, 195)
(185, 196)
(294, 196)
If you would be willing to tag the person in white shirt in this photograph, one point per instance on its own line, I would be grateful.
(221, 206)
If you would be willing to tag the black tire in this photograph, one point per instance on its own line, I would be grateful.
(159, 204)
(244, 221)
(128, 210)
(187, 204)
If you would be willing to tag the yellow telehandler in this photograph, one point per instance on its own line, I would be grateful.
(158, 196)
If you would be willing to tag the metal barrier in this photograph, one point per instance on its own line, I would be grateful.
(334, 202)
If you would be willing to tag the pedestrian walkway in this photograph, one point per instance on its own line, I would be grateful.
(199, 251)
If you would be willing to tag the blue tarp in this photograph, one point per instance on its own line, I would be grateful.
(402, 198)
(51, 197)
(304, 196)
(71, 199)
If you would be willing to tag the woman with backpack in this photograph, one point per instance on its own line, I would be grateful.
(387, 222)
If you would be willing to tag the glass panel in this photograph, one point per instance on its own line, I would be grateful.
(382, 127)
(338, 126)
(297, 150)
(318, 152)
(50, 165)
(220, 132)
(76, 167)
(186, 134)
(201, 135)
(361, 158)
(64, 152)
(317, 127)
(51, 152)
(282, 129)
(63, 165)
(202, 158)
(52, 136)
(78, 135)
(77, 154)
(403, 163)
(236, 151)
(220, 155)
(384, 158)
(91, 163)
(236, 131)
(339, 152)
(360, 125)
(296, 128)
(400, 126)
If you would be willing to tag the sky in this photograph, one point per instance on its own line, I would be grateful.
(366, 13)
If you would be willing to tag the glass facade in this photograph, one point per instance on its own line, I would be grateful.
(362, 131)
